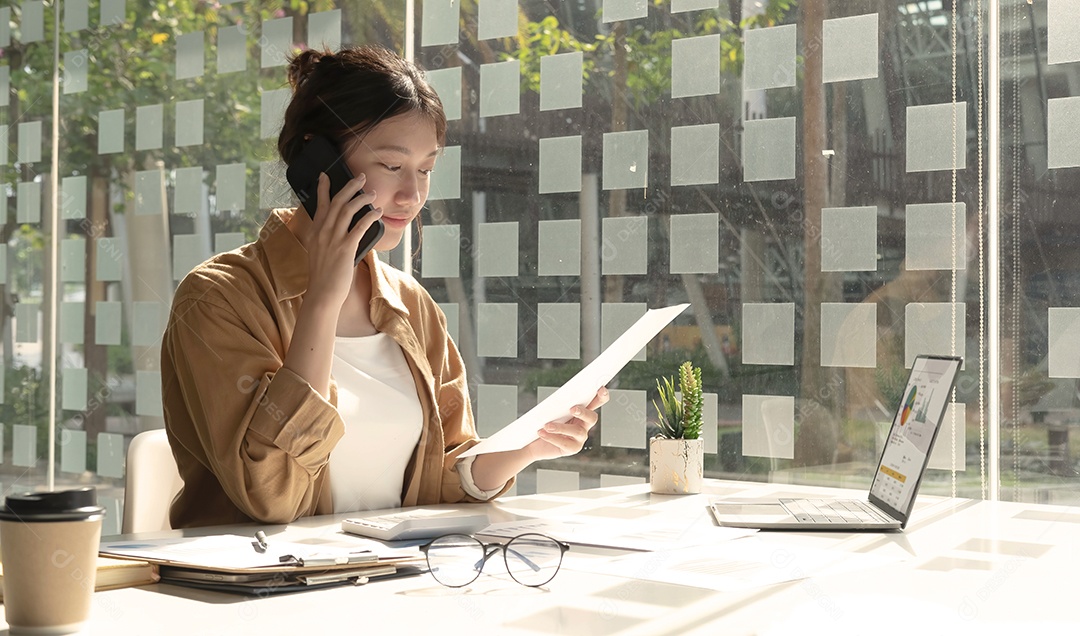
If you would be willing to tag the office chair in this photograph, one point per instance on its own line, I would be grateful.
(151, 484)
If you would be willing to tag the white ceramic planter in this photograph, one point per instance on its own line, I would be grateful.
(675, 465)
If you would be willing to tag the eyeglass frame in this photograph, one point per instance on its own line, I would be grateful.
(489, 551)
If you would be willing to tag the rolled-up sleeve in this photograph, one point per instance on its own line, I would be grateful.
(262, 430)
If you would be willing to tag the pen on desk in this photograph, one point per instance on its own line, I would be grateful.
(260, 542)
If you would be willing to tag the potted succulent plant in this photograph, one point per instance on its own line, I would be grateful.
(676, 455)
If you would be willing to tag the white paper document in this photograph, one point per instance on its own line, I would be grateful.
(580, 389)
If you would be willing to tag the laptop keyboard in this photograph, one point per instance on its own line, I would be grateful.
(834, 511)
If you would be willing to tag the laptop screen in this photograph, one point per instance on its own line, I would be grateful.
(914, 428)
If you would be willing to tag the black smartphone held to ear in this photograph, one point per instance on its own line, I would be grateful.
(322, 155)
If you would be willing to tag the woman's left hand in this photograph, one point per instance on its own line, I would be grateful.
(567, 438)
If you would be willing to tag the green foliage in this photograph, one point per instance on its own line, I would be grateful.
(680, 419)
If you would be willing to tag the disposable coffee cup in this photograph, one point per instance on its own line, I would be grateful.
(49, 543)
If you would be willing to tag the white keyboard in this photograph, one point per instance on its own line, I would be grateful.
(834, 511)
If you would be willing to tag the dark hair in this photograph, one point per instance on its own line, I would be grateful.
(345, 94)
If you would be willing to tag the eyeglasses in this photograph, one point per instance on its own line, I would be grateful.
(455, 560)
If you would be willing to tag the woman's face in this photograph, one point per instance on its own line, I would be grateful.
(397, 156)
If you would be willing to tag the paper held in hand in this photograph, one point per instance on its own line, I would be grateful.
(581, 388)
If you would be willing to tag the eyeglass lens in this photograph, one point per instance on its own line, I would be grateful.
(531, 559)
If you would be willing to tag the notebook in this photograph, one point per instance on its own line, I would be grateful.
(899, 472)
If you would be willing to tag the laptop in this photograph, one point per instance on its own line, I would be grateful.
(899, 472)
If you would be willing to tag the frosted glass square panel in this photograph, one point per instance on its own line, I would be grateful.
(849, 48)
(1063, 342)
(949, 454)
(75, 66)
(626, 159)
(72, 450)
(849, 335)
(228, 241)
(695, 243)
(558, 331)
(149, 322)
(276, 41)
(446, 178)
(496, 330)
(231, 50)
(559, 248)
(24, 445)
(500, 88)
(496, 406)
(929, 129)
(695, 66)
(274, 190)
(149, 127)
(769, 57)
(107, 322)
(710, 416)
(695, 154)
(4, 142)
(561, 78)
(188, 252)
(768, 149)
(75, 391)
(497, 19)
(324, 30)
(768, 426)
(231, 186)
(5, 27)
(76, 15)
(3, 269)
(849, 239)
(5, 82)
(1062, 36)
(190, 55)
(497, 253)
(72, 322)
(110, 259)
(453, 320)
(188, 191)
(114, 513)
(28, 204)
(148, 393)
(111, 131)
(30, 142)
(616, 318)
(110, 455)
(625, 248)
(768, 333)
(560, 164)
(189, 123)
(622, 419)
(73, 197)
(272, 111)
(614, 481)
(149, 192)
(32, 24)
(929, 246)
(1063, 137)
(441, 251)
(439, 22)
(73, 260)
(928, 328)
(447, 83)
(548, 480)
(624, 10)
(112, 12)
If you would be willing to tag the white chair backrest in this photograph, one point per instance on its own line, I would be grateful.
(152, 482)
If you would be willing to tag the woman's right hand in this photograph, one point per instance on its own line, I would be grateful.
(330, 245)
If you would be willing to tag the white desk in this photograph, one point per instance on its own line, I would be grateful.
(969, 567)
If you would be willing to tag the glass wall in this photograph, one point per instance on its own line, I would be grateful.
(811, 176)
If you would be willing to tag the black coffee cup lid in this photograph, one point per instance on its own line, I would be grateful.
(64, 505)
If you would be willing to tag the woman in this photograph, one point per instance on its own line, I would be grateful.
(296, 384)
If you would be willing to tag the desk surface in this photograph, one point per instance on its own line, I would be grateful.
(962, 566)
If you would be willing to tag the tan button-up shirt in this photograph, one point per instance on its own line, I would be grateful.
(252, 440)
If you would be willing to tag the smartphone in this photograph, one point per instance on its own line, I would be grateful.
(319, 154)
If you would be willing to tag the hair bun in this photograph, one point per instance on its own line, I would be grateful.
(302, 65)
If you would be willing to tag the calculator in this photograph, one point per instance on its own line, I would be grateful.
(415, 524)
